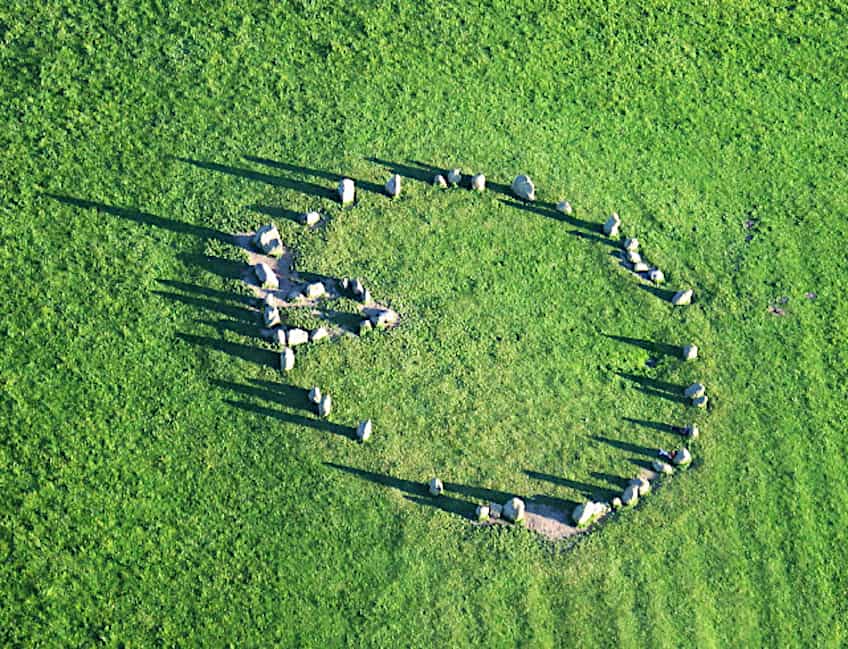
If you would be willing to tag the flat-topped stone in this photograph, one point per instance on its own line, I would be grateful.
(315, 290)
(478, 182)
(319, 334)
(310, 218)
(296, 337)
(587, 513)
(694, 390)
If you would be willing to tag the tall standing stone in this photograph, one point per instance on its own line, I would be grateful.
(393, 186)
(347, 191)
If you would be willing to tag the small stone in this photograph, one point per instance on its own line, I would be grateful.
(393, 186)
(682, 298)
(616, 503)
(641, 267)
(436, 487)
(613, 223)
(700, 402)
(347, 191)
(287, 360)
(279, 337)
(513, 510)
(315, 395)
(564, 207)
(630, 496)
(589, 512)
(454, 177)
(524, 188)
(642, 485)
(634, 257)
(271, 316)
(363, 431)
(495, 510)
(662, 467)
(325, 406)
(365, 327)
(656, 276)
(694, 390)
(682, 457)
(690, 352)
(315, 290)
(267, 239)
(319, 334)
(266, 276)
(478, 182)
(297, 337)
(310, 218)
(383, 318)
(631, 244)
(439, 181)
(692, 431)
(482, 513)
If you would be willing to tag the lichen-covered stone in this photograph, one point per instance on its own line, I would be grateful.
(692, 431)
(631, 244)
(633, 257)
(310, 218)
(642, 485)
(630, 496)
(701, 401)
(662, 468)
(689, 352)
(612, 224)
(641, 267)
(587, 513)
(482, 513)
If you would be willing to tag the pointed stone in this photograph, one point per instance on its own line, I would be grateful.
(315, 395)
(436, 487)
(524, 188)
(690, 352)
(564, 207)
(393, 186)
(439, 181)
(612, 224)
(271, 316)
(325, 406)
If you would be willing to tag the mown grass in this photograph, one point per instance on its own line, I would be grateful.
(164, 485)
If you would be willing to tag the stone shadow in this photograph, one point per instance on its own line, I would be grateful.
(656, 425)
(654, 387)
(282, 394)
(277, 212)
(664, 294)
(585, 489)
(299, 420)
(649, 345)
(256, 355)
(646, 451)
(233, 312)
(549, 210)
(333, 177)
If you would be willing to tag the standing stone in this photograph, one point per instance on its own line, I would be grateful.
(642, 485)
(694, 390)
(325, 406)
(690, 352)
(267, 239)
(524, 188)
(436, 487)
(310, 218)
(513, 510)
(287, 360)
(478, 182)
(393, 186)
(631, 244)
(365, 327)
(315, 290)
(700, 402)
(271, 316)
(363, 431)
(634, 257)
(439, 181)
(319, 334)
(383, 318)
(495, 510)
(613, 223)
(692, 431)
(347, 191)
(630, 496)
(279, 337)
(482, 513)
(616, 503)
(587, 513)
(641, 267)
(315, 395)
(266, 276)
(662, 468)
(269, 300)
(682, 457)
(297, 337)
(656, 276)
(564, 207)
(682, 298)
(357, 289)
(454, 177)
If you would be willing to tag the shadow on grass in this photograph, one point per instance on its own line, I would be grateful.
(649, 345)
(277, 212)
(299, 420)
(333, 177)
(247, 353)
(655, 388)
(204, 291)
(285, 395)
(233, 312)
(597, 238)
(143, 218)
(589, 491)
(619, 482)
(226, 268)
(664, 294)
(656, 425)
(247, 330)
(549, 210)
(626, 446)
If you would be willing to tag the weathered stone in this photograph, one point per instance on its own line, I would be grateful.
(315, 290)
(344, 285)
(310, 218)
(690, 352)
(267, 240)
(612, 224)
(478, 182)
(319, 334)
(366, 297)
(383, 318)
(692, 431)
(393, 186)
(439, 181)
(694, 390)
(454, 176)
(325, 406)
(682, 298)
(271, 316)
(682, 457)
(631, 244)
(642, 484)
(641, 267)
(633, 257)
(266, 276)
(630, 496)
(278, 337)
(436, 487)
(356, 288)
(700, 402)
(286, 360)
(656, 276)
(616, 503)
(269, 300)
(495, 510)
(347, 191)
(365, 327)
(315, 395)
(662, 467)
(482, 513)
(588, 512)
(564, 207)
(363, 431)
(513, 510)
(297, 337)
(524, 188)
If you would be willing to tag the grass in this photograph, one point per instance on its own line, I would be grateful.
(164, 485)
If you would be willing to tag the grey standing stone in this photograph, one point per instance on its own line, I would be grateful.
(393, 186)
(682, 298)
(315, 290)
(564, 207)
(297, 337)
(310, 218)
(478, 182)
(266, 276)
(325, 406)
(357, 289)
(287, 360)
(382, 318)
(279, 336)
(701, 401)
(662, 467)
(694, 390)
(439, 181)
(630, 496)
(690, 352)
(363, 431)
(524, 188)
(634, 257)
(315, 395)
(612, 224)
(642, 485)
(692, 431)
(641, 267)
(436, 487)
(631, 244)
(269, 300)
(656, 276)
(513, 510)
(271, 316)
(682, 457)
(482, 513)
(319, 334)
(267, 240)
(455, 176)
(347, 191)
(495, 510)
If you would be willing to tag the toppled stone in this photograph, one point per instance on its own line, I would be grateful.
(564, 207)
(690, 352)
(613, 223)
(694, 390)
(266, 276)
(315, 290)
(436, 487)
(439, 181)
(495, 510)
(524, 188)
(682, 298)
(325, 405)
(634, 257)
(315, 395)
(662, 468)
(513, 510)
(682, 457)
(319, 334)
(616, 503)
(700, 402)
(310, 218)
(267, 240)
(363, 431)
(631, 244)
(691, 431)
(297, 337)
(641, 267)
(278, 337)
(482, 513)
(589, 512)
(286, 360)
(365, 327)
(642, 485)
(455, 176)
(656, 276)
(478, 182)
(630, 496)
(393, 186)
(347, 191)
(271, 316)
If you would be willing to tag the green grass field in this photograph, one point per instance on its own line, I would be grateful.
(164, 485)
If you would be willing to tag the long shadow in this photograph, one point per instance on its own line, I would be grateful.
(247, 330)
(648, 382)
(626, 446)
(245, 352)
(662, 293)
(583, 488)
(430, 171)
(649, 345)
(447, 504)
(597, 238)
(668, 396)
(299, 420)
(318, 173)
(277, 181)
(656, 425)
(211, 293)
(143, 218)
(225, 268)
(549, 211)
(422, 174)
(276, 212)
(617, 481)
(233, 312)
(280, 393)
(642, 464)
